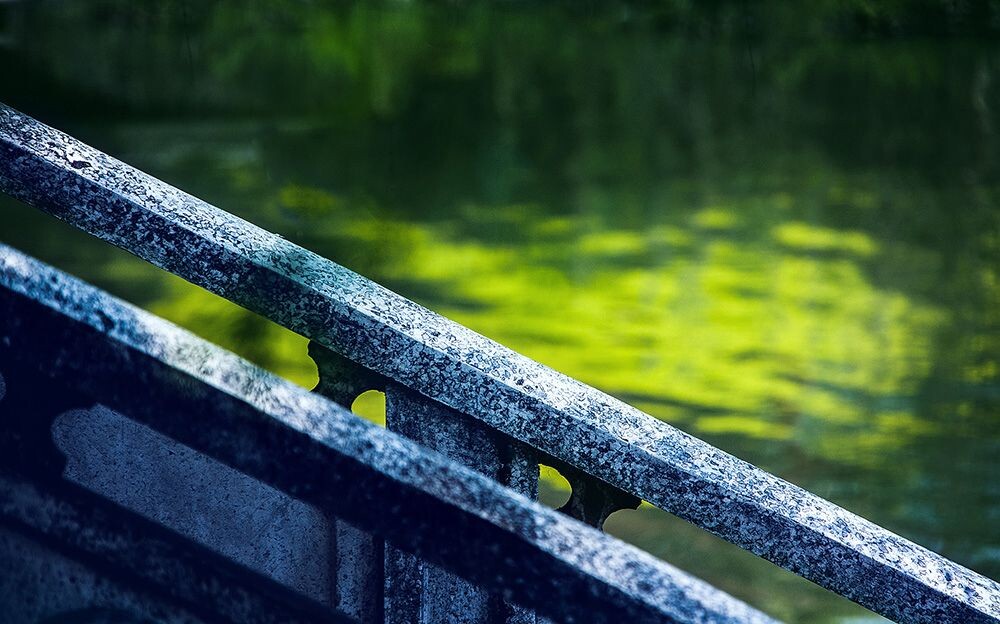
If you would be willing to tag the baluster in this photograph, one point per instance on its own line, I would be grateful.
(592, 500)
(414, 592)
(444, 598)
(358, 577)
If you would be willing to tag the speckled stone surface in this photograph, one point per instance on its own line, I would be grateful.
(71, 335)
(472, 374)
(426, 594)
(416, 592)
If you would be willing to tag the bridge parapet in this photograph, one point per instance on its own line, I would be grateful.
(478, 403)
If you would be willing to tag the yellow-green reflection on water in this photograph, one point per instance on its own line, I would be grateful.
(770, 333)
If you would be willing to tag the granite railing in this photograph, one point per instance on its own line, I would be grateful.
(480, 404)
(65, 345)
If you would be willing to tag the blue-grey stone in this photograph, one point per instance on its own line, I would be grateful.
(199, 497)
(73, 336)
(451, 364)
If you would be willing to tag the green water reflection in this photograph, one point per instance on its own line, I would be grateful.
(777, 230)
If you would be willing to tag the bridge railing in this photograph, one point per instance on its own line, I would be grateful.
(61, 336)
(477, 401)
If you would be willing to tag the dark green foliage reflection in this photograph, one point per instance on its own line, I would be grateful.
(774, 226)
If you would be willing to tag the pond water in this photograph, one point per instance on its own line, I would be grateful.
(777, 231)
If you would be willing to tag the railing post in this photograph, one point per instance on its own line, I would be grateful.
(358, 560)
(378, 583)
(418, 592)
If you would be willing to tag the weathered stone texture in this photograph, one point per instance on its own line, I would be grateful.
(69, 335)
(471, 374)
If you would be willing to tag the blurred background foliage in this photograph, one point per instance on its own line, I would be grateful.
(774, 225)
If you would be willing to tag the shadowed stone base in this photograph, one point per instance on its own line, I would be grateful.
(199, 497)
